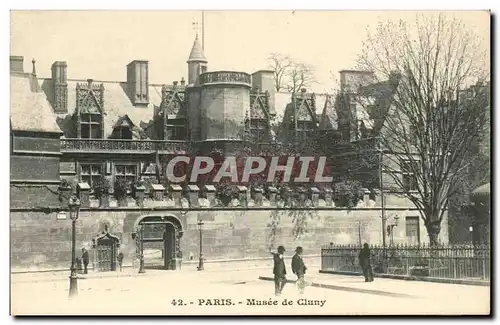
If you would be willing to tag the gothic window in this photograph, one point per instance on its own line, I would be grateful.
(258, 130)
(176, 129)
(90, 173)
(91, 126)
(126, 173)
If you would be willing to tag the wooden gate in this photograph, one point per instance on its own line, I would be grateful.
(105, 252)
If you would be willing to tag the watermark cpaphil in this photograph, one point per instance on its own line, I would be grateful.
(248, 169)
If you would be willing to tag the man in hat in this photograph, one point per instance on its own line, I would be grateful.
(364, 262)
(279, 270)
(85, 260)
(299, 268)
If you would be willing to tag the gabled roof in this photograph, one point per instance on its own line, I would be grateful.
(29, 108)
(329, 118)
(382, 95)
(482, 190)
(197, 52)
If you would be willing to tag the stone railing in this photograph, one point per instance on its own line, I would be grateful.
(126, 146)
(225, 77)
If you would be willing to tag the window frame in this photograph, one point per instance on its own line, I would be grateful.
(409, 177)
(132, 176)
(91, 122)
(412, 221)
(91, 175)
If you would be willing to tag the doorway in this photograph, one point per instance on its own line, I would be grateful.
(169, 252)
(160, 241)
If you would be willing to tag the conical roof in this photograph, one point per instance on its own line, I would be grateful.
(197, 52)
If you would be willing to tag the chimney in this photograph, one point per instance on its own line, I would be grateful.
(264, 81)
(183, 82)
(16, 63)
(60, 87)
(138, 82)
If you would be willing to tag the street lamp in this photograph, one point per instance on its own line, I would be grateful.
(390, 229)
(138, 236)
(74, 208)
(200, 228)
(471, 231)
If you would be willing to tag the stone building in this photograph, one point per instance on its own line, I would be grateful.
(108, 141)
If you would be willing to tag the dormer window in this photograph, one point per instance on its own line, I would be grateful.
(91, 126)
(122, 132)
(123, 129)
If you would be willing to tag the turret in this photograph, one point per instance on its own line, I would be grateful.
(197, 62)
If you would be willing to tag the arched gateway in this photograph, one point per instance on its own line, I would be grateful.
(161, 234)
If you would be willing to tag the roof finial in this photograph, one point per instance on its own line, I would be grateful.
(34, 68)
(196, 28)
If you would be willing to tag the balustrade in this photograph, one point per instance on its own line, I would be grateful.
(113, 145)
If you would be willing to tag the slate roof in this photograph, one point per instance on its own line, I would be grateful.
(197, 52)
(117, 105)
(29, 107)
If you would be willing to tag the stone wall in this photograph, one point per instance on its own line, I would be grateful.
(41, 241)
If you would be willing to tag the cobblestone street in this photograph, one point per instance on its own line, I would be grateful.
(194, 293)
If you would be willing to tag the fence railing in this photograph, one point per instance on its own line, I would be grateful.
(452, 262)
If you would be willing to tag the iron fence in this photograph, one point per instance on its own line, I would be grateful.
(452, 262)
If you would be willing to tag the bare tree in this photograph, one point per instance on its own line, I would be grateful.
(429, 129)
(300, 75)
(289, 74)
(280, 64)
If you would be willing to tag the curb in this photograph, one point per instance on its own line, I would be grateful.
(348, 289)
(184, 263)
(415, 278)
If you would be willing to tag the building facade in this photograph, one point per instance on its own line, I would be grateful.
(110, 142)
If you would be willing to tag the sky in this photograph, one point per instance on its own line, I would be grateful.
(99, 44)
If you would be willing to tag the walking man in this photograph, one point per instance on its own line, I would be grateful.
(364, 262)
(279, 270)
(85, 260)
(299, 269)
(120, 261)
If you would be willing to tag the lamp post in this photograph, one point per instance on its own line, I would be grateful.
(138, 236)
(471, 231)
(200, 228)
(74, 208)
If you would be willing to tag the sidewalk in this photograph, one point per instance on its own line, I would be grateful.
(132, 271)
(393, 288)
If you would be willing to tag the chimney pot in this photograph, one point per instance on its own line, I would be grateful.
(16, 63)
(303, 90)
(89, 82)
(183, 82)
